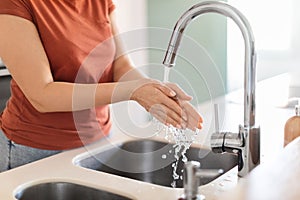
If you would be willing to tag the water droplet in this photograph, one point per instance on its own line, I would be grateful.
(235, 151)
(173, 184)
(184, 158)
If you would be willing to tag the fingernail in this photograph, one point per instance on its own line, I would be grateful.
(199, 125)
(200, 120)
(172, 93)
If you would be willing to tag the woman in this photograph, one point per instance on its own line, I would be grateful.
(66, 70)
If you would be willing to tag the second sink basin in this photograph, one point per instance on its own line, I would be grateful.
(65, 191)
(151, 161)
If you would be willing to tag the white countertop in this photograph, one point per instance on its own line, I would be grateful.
(61, 168)
(276, 179)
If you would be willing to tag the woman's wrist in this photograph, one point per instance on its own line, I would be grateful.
(124, 91)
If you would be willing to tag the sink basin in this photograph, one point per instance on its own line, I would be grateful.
(151, 161)
(65, 191)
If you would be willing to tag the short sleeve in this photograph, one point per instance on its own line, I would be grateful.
(20, 8)
(111, 6)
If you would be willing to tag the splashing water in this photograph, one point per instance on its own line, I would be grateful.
(182, 140)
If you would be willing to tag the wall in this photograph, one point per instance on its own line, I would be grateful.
(131, 16)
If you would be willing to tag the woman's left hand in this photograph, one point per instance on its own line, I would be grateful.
(194, 119)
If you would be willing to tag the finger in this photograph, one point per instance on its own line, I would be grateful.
(195, 121)
(166, 90)
(173, 118)
(167, 116)
(200, 125)
(174, 106)
(167, 121)
(180, 94)
(160, 116)
(194, 118)
(192, 123)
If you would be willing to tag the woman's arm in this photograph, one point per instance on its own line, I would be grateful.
(24, 56)
(123, 67)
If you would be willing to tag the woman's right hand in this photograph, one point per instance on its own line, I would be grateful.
(168, 103)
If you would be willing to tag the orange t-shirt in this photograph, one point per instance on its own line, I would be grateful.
(70, 31)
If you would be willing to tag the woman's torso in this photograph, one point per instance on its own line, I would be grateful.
(69, 31)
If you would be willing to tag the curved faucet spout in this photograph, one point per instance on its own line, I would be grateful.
(250, 55)
(249, 68)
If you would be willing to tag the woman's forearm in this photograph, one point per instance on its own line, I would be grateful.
(66, 97)
(124, 70)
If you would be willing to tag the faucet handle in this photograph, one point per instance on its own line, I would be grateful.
(217, 138)
(191, 179)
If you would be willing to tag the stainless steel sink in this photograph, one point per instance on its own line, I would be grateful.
(65, 191)
(151, 161)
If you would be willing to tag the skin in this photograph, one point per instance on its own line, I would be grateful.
(167, 102)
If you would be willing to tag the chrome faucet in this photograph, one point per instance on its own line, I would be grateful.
(246, 143)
